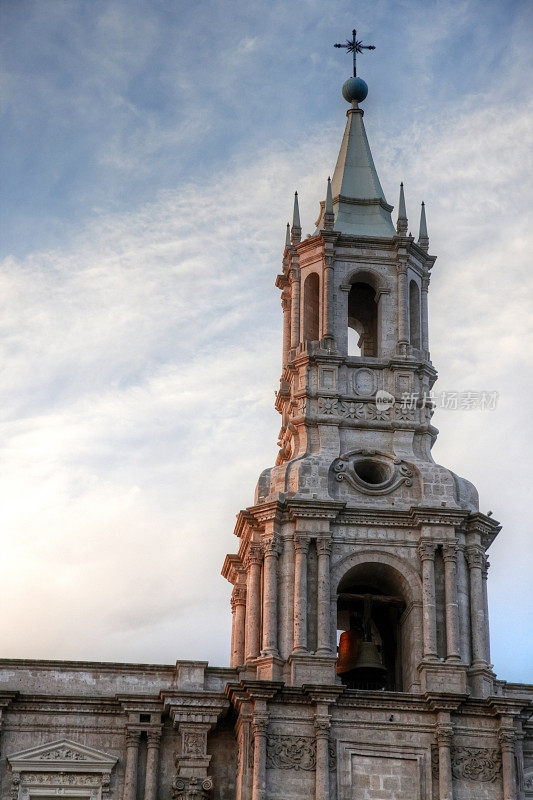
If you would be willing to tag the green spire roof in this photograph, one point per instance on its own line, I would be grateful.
(359, 204)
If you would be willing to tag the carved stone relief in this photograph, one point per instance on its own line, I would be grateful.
(471, 763)
(191, 788)
(58, 767)
(370, 472)
(295, 752)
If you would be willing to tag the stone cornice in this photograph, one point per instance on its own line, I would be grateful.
(231, 567)
(314, 509)
(485, 527)
(508, 706)
(426, 515)
(139, 702)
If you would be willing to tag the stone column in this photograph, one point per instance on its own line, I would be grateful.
(301, 548)
(507, 743)
(477, 605)
(260, 729)
(322, 727)
(485, 575)
(295, 306)
(424, 313)
(403, 327)
(426, 551)
(324, 597)
(270, 597)
(328, 297)
(444, 734)
(449, 554)
(253, 603)
(238, 632)
(132, 757)
(286, 306)
(152, 764)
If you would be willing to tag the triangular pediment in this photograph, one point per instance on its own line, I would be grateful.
(63, 754)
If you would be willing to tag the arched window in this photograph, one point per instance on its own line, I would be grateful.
(363, 319)
(414, 314)
(311, 308)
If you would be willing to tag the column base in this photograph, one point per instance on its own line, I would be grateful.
(481, 680)
(443, 676)
(269, 668)
(312, 668)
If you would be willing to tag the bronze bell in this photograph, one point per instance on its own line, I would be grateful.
(349, 644)
(368, 657)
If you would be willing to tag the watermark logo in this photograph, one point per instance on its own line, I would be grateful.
(384, 400)
(450, 400)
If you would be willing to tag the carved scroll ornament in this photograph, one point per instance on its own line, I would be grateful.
(295, 752)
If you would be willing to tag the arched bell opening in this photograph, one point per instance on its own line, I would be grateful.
(414, 315)
(311, 309)
(362, 320)
(371, 606)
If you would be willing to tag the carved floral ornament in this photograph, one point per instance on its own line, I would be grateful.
(295, 752)
(478, 764)
(372, 472)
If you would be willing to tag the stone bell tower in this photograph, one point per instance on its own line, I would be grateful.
(356, 534)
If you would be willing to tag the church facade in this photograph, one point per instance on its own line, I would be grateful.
(360, 659)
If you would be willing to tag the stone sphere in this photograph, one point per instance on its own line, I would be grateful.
(354, 89)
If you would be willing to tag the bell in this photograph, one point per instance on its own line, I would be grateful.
(368, 657)
(349, 644)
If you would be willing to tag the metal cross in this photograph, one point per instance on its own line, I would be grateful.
(353, 46)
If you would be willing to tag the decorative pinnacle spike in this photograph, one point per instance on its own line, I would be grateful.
(296, 230)
(288, 235)
(329, 219)
(401, 224)
(423, 238)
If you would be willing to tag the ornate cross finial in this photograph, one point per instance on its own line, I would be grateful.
(353, 46)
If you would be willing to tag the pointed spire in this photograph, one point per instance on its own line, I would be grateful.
(358, 199)
(296, 230)
(401, 224)
(423, 238)
(288, 236)
(329, 218)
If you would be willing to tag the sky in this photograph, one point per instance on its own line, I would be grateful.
(150, 151)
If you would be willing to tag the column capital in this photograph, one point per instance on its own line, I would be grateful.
(486, 566)
(254, 556)
(132, 738)
(323, 547)
(449, 551)
(301, 543)
(270, 546)
(238, 596)
(444, 734)
(425, 282)
(260, 725)
(426, 550)
(322, 726)
(153, 738)
(507, 739)
(475, 557)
